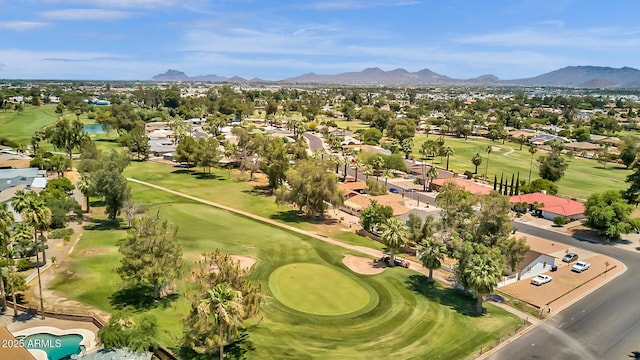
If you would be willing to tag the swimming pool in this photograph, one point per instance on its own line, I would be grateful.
(57, 347)
(51, 343)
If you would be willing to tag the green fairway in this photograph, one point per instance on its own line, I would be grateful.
(317, 289)
(404, 315)
(19, 127)
(582, 178)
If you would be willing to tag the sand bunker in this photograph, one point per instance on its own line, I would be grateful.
(246, 262)
(362, 265)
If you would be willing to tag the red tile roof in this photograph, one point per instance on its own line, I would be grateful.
(470, 186)
(552, 204)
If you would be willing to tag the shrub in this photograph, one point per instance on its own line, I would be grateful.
(67, 238)
(60, 233)
(468, 174)
(24, 264)
(560, 221)
(375, 188)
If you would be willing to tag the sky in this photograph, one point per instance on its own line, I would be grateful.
(278, 39)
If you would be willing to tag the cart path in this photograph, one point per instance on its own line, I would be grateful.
(367, 251)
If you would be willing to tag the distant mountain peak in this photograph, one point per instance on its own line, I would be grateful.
(586, 76)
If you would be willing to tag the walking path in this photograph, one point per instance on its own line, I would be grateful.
(368, 251)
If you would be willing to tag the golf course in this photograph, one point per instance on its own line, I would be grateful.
(313, 306)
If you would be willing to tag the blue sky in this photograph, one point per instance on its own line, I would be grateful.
(276, 39)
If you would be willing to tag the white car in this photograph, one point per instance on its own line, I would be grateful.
(541, 279)
(580, 266)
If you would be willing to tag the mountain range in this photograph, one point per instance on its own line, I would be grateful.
(570, 76)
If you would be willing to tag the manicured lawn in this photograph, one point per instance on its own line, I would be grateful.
(317, 289)
(21, 126)
(582, 178)
(410, 319)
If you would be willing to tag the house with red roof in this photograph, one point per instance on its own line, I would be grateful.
(550, 206)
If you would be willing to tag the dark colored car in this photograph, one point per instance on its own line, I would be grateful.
(394, 191)
(570, 257)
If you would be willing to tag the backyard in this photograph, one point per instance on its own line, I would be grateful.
(395, 313)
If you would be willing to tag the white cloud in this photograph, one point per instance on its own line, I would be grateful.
(593, 38)
(125, 4)
(86, 14)
(358, 4)
(21, 25)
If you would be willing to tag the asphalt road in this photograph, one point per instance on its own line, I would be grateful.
(603, 325)
(315, 142)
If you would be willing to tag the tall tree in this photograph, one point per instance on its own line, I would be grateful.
(310, 186)
(67, 136)
(448, 151)
(85, 186)
(608, 214)
(629, 150)
(514, 251)
(31, 208)
(532, 150)
(483, 274)
(432, 252)
(202, 333)
(208, 153)
(151, 253)
(187, 151)
(476, 160)
(552, 166)
(489, 149)
(394, 235)
(6, 221)
(138, 141)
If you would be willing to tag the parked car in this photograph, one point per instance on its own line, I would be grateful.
(541, 279)
(570, 257)
(409, 177)
(394, 191)
(581, 266)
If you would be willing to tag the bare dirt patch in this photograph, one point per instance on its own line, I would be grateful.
(246, 262)
(362, 265)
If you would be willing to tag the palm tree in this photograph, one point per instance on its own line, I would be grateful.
(486, 169)
(367, 170)
(357, 164)
(34, 212)
(432, 253)
(476, 160)
(223, 305)
(532, 150)
(386, 174)
(6, 220)
(483, 274)
(432, 174)
(448, 151)
(378, 164)
(394, 234)
(521, 140)
(85, 185)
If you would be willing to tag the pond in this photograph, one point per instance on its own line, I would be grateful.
(94, 129)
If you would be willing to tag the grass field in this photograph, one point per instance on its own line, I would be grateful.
(21, 126)
(318, 289)
(406, 317)
(582, 178)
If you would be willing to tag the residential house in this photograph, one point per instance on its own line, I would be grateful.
(468, 185)
(551, 206)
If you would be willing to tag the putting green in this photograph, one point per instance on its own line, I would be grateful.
(317, 289)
